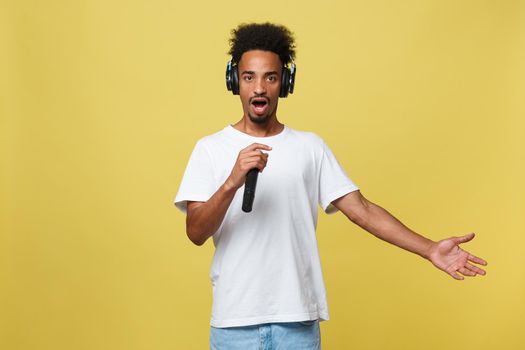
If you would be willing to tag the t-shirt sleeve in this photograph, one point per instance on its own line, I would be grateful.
(197, 182)
(333, 181)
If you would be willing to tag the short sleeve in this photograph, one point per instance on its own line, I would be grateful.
(197, 182)
(333, 181)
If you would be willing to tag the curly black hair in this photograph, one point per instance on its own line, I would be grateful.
(262, 36)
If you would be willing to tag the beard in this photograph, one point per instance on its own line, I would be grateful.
(259, 119)
(262, 119)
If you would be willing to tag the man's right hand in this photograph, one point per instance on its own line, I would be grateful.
(248, 158)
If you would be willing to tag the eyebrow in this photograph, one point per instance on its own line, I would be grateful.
(252, 72)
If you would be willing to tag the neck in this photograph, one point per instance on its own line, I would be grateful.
(270, 128)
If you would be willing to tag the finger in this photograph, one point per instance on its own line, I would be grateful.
(475, 269)
(476, 260)
(255, 146)
(463, 239)
(255, 153)
(456, 276)
(256, 163)
(466, 272)
(246, 162)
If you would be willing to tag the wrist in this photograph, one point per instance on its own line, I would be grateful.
(228, 186)
(427, 249)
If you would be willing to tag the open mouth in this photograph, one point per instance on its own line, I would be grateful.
(259, 105)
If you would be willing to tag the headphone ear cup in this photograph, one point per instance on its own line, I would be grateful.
(292, 78)
(232, 78)
(235, 80)
(285, 82)
(229, 76)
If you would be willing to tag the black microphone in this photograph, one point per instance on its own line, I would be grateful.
(249, 190)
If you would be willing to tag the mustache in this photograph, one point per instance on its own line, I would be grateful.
(259, 98)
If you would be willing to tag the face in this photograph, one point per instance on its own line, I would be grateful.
(259, 84)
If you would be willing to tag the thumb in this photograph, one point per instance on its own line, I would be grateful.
(464, 239)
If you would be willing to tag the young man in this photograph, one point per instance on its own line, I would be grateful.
(268, 288)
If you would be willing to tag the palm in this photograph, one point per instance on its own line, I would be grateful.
(446, 255)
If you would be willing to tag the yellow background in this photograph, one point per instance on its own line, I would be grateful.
(101, 103)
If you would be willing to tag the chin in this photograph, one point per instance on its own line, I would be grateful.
(259, 120)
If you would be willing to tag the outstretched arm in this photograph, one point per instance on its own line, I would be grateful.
(446, 254)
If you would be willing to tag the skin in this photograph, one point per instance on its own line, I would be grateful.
(260, 78)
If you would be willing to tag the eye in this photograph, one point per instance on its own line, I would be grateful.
(247, 77)
(272, 78)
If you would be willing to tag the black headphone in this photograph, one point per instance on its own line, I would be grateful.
(287, 78)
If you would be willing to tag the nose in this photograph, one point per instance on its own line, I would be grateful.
(260, 86)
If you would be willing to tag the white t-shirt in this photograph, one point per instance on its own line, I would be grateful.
(266, 266)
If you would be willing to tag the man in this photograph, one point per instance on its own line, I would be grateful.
(268, 288)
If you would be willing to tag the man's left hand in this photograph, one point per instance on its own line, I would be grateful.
(446, 255)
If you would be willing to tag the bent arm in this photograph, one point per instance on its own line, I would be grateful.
(204, 218)
(382, 224)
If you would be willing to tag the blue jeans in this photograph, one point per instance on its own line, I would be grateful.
(304, 335)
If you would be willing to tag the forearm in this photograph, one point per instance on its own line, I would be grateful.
(385, 226)
(205, 219)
